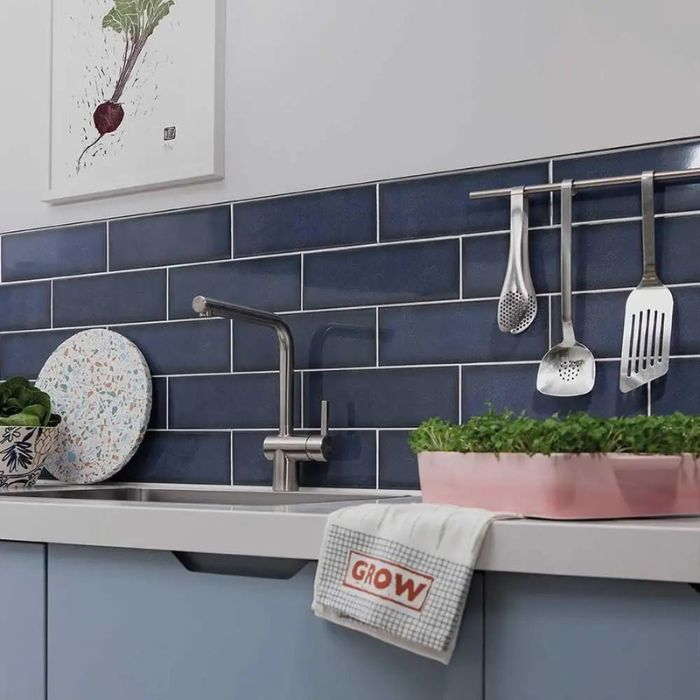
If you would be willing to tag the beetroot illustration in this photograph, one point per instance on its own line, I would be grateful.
(136, 20)
(108, 116)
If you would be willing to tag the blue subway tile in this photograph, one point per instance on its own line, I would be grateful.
(614, 202)
(273, 284)
(352, 463)
(159, 410)
(391, 398)
(679, 390)
(398, 466)
(315, 220)
(24, 354)
(321, 340)
(183, 347)
(440, 205)
(74, 250)
(120, 298)
(227, 401)
(181, 458)
(599, 320)
(605, 256)
(382, 275)
(677, 250)
(24, 306)
(685, 332)
(485, 258)
(512, 387)
(250, 467)
(169, 239)
(456, 333)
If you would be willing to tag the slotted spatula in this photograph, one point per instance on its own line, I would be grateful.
(646, 339)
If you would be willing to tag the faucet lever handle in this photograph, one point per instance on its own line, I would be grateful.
(324, 418)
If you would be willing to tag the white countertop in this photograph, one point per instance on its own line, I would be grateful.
(658, 550)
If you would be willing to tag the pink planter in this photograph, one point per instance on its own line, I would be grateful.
(564, 486)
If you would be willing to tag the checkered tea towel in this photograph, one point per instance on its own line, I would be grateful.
(401, 573)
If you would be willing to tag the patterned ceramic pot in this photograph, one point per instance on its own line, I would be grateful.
(22, 454)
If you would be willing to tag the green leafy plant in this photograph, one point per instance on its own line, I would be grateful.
(575, 433)
(23, 404)
(135, 20)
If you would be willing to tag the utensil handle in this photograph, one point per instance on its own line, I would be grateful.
(566, 310)
(648, 233)
(518, 232)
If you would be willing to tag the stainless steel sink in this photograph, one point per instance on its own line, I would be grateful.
(190, 496)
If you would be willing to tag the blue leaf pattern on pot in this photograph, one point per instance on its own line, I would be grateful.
(23, 451)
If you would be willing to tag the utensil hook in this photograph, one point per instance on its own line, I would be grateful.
(648, 232)
(567, 326)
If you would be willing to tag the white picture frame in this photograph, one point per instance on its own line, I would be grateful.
(157, 125)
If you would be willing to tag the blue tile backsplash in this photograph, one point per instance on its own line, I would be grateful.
(390, 289)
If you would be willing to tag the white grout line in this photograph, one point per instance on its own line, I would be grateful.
(376, 459)
(459, 394)
(461, 268)
(232, 236)
(51, 303)
(301, 279)
(301, 399)
(230, 345)
(167, 402)
(550, 172)
(377, 211)
(361, 368)
(376, 336)
(167, 294)
(107, 245)
(231, 455)
(648, 388)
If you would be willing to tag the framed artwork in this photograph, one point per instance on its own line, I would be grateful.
(137, 95)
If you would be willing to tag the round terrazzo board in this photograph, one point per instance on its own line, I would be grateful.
(100, 384)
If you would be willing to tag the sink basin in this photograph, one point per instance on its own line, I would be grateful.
(146, 494)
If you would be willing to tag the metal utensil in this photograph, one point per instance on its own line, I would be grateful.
(517, 305)
(646, 339)
(568, 369)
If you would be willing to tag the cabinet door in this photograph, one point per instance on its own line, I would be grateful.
(133, 624)
(22, 621)
(554, 638)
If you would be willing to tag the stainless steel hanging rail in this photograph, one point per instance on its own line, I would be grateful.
(689, 174)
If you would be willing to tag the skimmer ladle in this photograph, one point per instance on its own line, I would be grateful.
(517, 304)
(568, 369)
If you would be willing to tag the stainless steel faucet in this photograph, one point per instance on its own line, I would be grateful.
(286, 448)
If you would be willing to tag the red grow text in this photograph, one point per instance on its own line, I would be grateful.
(387, 580)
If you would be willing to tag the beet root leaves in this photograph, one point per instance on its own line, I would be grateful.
(136, 21)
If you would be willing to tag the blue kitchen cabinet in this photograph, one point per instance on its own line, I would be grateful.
(136, 625)
(556, 638)
(22, 621)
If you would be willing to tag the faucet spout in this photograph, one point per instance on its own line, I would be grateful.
(212, 307)
(286, 448)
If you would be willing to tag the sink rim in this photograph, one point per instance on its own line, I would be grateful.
(185, 495)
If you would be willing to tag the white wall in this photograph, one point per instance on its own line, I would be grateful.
(331, 92)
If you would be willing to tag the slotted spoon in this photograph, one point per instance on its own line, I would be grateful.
(646, 339)
(517, 305)
(568, 369)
